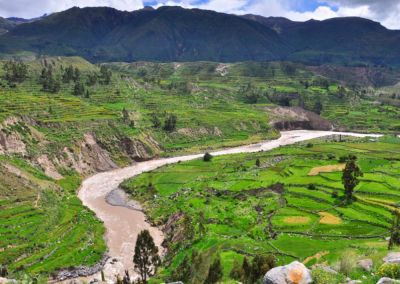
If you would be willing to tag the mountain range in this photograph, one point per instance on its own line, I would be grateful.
(172, 33)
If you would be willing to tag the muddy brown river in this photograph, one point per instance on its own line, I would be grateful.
(123, 224)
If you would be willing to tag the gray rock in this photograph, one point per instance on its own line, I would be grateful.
(7, 281)
(392, 257)
(386, 280)
(82, 270)
(366, 264)
(293, 273)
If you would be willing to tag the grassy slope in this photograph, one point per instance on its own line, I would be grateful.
(44, 226)
(224, 190)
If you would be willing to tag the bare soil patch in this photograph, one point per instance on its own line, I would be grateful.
(326, 169)
(329, 219)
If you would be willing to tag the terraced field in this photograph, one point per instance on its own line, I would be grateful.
(281, 206)
(44, 226)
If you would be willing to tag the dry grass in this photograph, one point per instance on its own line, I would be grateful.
(326, 169)
(296, 220)
(316, 256)
(329, 219)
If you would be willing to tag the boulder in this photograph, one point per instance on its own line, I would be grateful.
(7, 281)
(392, 257)
(366, 264)
(293, 273)
(386, 280)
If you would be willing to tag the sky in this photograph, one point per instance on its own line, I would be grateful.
(383, 11)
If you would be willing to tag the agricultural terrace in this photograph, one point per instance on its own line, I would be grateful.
(286, 206)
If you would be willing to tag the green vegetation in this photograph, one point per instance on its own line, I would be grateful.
(68, 116)
(44, 226)
(251, 211)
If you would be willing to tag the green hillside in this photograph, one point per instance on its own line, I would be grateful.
(287, 203)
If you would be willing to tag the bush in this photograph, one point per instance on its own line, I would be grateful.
(331, 156)
(391, 270)
(347, 263)
(320, 276)
(207, 157)
(309, 145)
(311, 186)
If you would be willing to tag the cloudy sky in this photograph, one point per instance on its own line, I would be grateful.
(384, 11)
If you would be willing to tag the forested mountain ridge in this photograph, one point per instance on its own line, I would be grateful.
(176, 34)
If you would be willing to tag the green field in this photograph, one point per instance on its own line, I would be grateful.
(278, 207)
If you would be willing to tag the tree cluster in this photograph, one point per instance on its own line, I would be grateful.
(15, 71)
(170, 122)
(105, 75)
(50, 82)
(251, 272)
(71, 74)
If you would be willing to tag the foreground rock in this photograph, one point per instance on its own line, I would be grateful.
(293, 273)
(386, 280)
(392, 257)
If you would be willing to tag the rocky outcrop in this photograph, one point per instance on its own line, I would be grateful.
(48, 167)
(81, 270)
(293, 273)
(136, 149)
(172, 230)
(11, 140)
(295, 118)
(89, 158)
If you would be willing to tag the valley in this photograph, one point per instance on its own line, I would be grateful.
(279, 132)
(121, 235)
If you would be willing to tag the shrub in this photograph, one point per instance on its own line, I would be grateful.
(311, 186)
(309, 145)
(331, 156)
(391, 270)
(207, 157)
(237, 271)
(347, 262)
(320, 276)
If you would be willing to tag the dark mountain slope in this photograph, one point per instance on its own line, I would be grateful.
(177, 34)
(5, 25)
(168, 34)
(348, 40)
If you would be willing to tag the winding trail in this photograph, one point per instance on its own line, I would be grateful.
(123, 224)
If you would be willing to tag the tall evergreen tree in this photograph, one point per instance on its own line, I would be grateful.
(79, 89)
(350, 176)
(146, 257)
